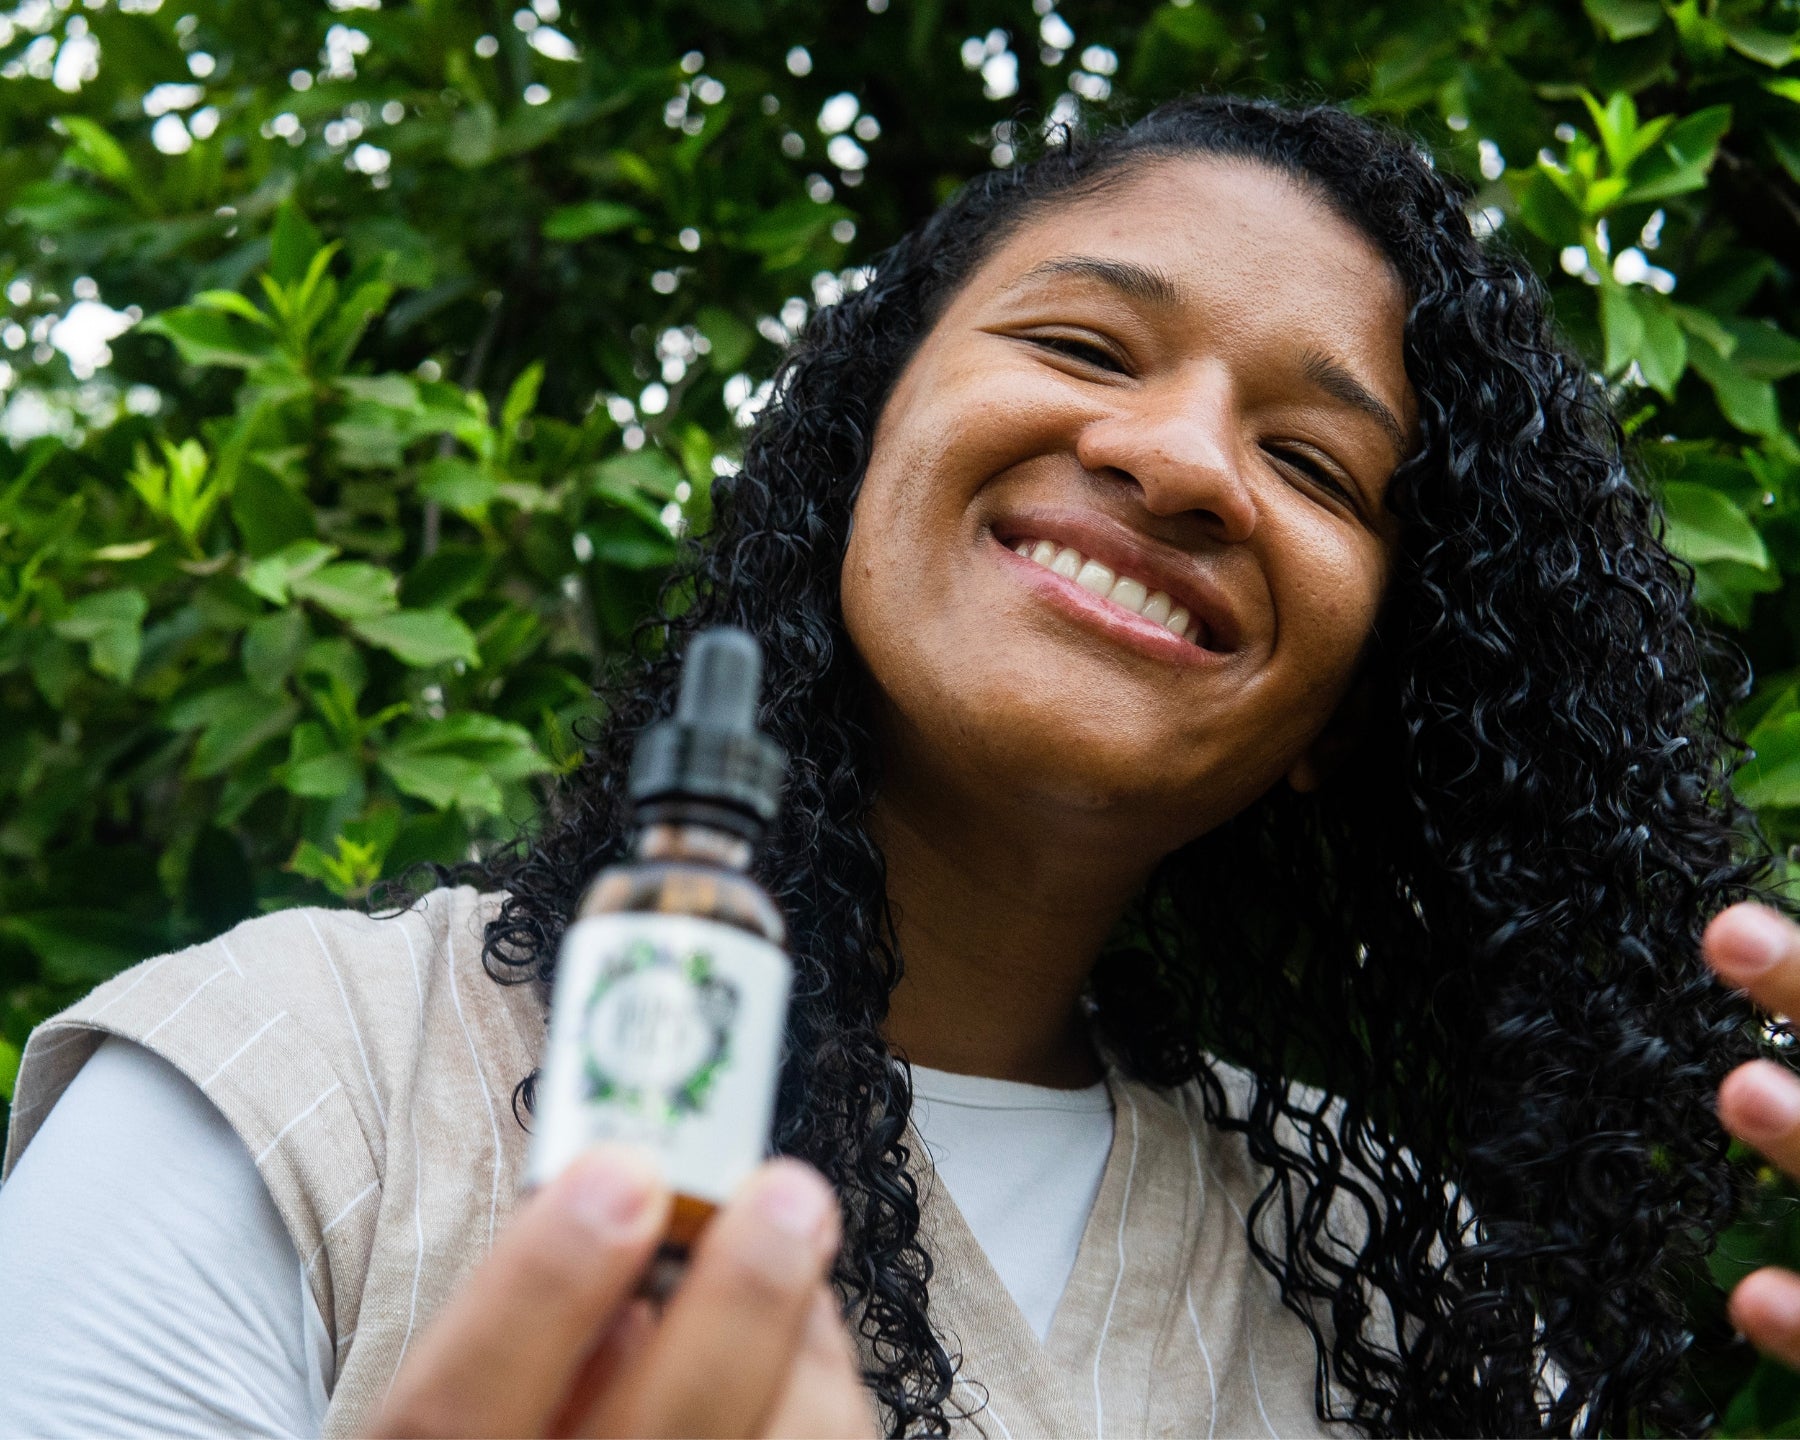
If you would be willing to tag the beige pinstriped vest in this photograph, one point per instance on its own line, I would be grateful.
(369, 1067)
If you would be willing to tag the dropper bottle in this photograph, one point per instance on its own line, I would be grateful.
(671, 989)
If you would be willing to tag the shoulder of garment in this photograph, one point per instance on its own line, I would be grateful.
(367, 1063)
(1169, 1324)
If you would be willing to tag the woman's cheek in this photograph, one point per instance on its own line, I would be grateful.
(1327, 597)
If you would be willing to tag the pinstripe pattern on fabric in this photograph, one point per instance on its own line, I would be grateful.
(1154, 1334)
(316, 1031)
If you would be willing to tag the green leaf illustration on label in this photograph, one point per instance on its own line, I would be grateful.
(656, 1030)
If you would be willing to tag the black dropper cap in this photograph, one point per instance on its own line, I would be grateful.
(710, 753)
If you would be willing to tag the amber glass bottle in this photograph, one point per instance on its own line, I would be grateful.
(671, 991)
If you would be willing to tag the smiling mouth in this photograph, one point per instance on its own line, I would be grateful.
(1121, 591)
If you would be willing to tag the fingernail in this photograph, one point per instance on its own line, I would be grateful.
(1765, 1300)
(1765, 1102)
(794, 1201)
(611, 1186)
(1758, 940)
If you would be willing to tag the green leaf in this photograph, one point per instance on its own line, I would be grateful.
(447, 578)
(1745, 401)
(273, 645)
(1546, 210)
(349, 589)
(782, 236)
(1625, 19)
(1762, 351)
(54, 668)
(731, 339)
(340, 335)
(1641, 325)
(590, 218)
(82, 946)
(1622, 324)
(338, 662)
(443, 781)
(60, 206)
(293, 242)
(632, 546)
(205, 337)
(95, 150)
(395, 392)
(229, 302)
(111, 624)
(639, 472)
(1703, 524)
(420, 637)
(268, 513)
(1766, 47)
(273, 576)
(521, 397)
(9, 1068)
(1706, 327)
(315, 769)
(1771, 776)
(472, 136)
(1680, 164)
(234, 720)
(1728, 589)
(348, 873)
(461, 760)
(1768, 1405)
(460, 485)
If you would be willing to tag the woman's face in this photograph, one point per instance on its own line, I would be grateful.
(1122, 537)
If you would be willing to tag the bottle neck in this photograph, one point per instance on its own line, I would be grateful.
(688, 840)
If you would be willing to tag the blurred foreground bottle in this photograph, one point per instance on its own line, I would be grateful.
(671, 986)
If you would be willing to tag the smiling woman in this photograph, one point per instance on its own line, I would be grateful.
(1255, 802)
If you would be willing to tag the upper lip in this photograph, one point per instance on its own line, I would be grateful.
(1130, 552)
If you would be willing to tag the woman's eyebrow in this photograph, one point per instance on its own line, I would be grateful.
(1131, 279)
(1336, 381)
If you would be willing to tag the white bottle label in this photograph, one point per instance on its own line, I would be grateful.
(665, 1032)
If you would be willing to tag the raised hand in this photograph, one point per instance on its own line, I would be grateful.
(545, 1337)
(1757, 950)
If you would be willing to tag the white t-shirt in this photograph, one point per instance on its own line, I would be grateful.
(1023, 1163)
(152, 1289)
(151, 1286)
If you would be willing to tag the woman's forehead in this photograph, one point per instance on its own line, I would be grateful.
(1203, 222)
(1228, 249)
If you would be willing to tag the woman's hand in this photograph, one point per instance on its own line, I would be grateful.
(1755, 949)
(546, 1337)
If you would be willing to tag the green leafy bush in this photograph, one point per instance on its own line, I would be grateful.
(361, 365)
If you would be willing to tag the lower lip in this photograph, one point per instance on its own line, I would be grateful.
(1087, 608)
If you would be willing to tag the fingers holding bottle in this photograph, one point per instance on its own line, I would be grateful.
(730, 1337)
(502, 1355)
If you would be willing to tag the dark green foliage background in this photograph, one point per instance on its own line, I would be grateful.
(311, 581)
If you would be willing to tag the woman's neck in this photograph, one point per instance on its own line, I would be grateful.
(1000, 922)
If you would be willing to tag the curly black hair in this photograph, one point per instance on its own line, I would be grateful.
(1482, 941)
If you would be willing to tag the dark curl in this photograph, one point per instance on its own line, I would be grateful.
(1482, 942)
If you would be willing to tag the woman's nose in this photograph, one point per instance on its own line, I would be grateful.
(1178, 445)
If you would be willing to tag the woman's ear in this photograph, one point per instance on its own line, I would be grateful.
(1342, 736)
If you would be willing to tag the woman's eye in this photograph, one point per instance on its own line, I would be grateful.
(1314, 471)
(1085, 351)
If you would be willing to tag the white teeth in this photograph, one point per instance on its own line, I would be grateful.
(1129, 593)
(1096, 578)
(1121, 590)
